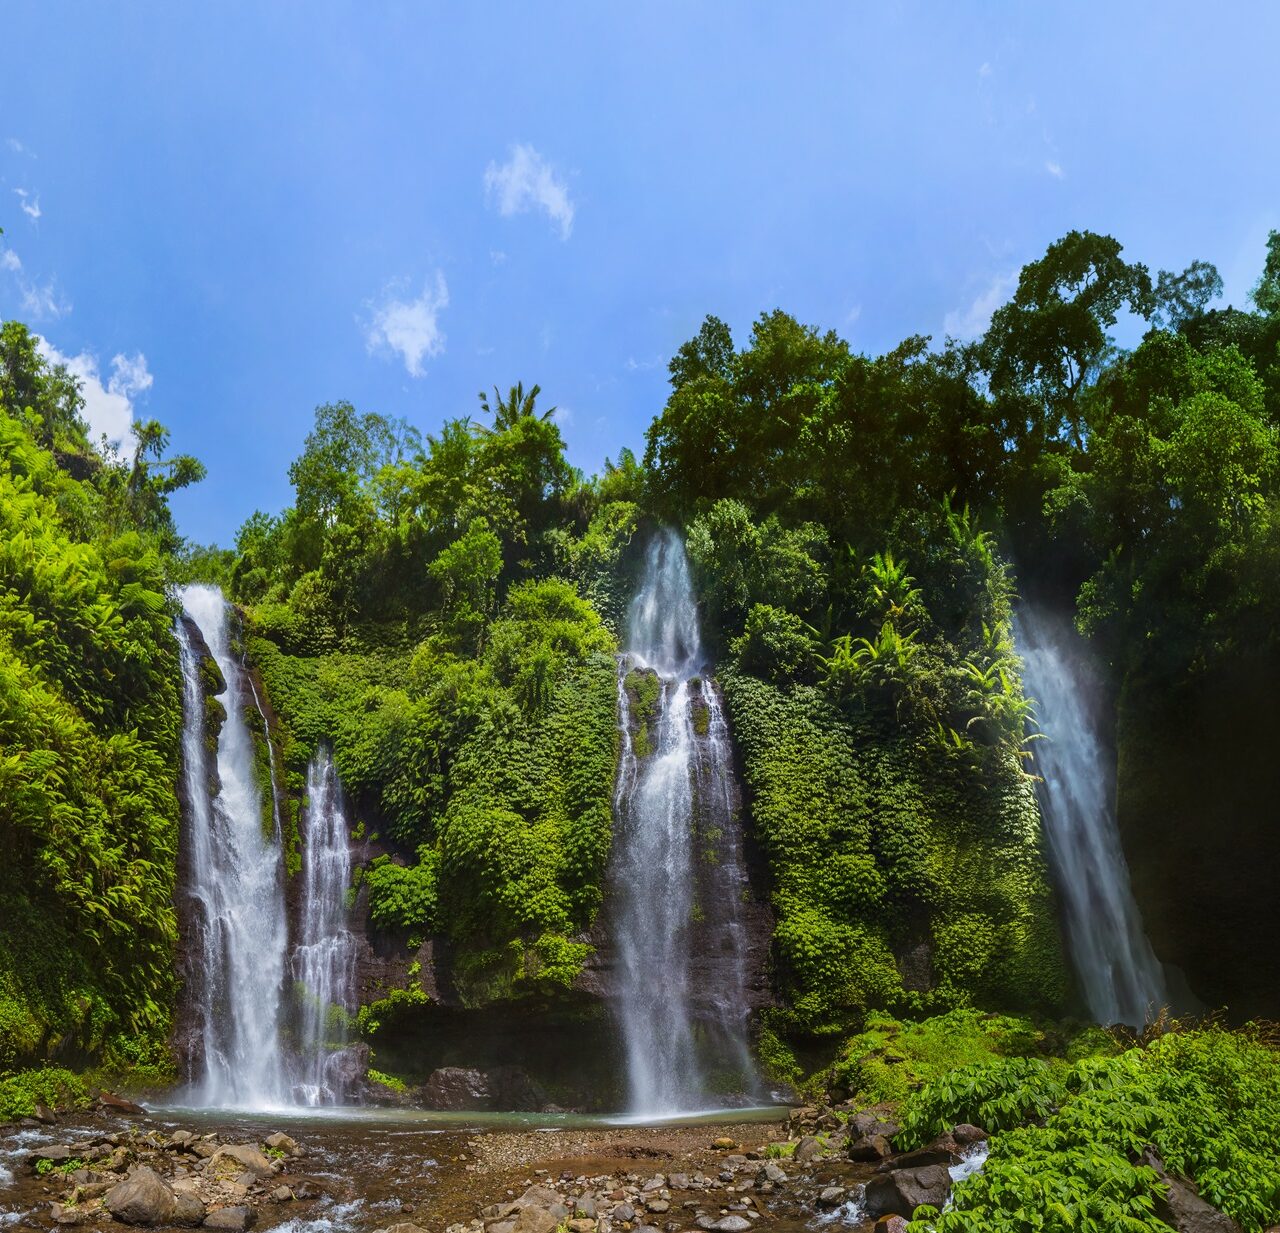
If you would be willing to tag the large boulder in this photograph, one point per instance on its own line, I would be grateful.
(1182, 1208)
(942, 1151)
(239, 1158)
(142, 1198)
(869, 1149)
(899, 1193)
(456, 1089)
(231, 1219)
(513, 1091)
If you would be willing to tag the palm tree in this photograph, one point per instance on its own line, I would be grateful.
(508, 412)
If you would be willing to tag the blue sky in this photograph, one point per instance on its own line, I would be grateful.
(223, 215)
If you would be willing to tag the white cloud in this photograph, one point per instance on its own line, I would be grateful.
(42, 303)
(1054, 169)
(853, 315)
(30, 205)
(497, 256)
(9, 260)
(635, 365)
(562, 416)
(410, 328)
(969, 323)
(108, 409)
(984, 69)
(527, 181)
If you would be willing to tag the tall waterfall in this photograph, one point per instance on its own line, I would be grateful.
(236, 882)
(324, 960)
(678, 868)
(1119, 974)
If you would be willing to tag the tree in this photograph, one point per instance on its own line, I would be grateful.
(1051, 338)
(1179, 297)
(1266, 292)
(508, 412)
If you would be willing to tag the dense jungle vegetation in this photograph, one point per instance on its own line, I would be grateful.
(443, 612)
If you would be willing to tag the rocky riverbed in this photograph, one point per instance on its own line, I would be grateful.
(337, 1175)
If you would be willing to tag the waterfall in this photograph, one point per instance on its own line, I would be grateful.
(324, 960)
(1119, 974)
(236, 882)
(678, 875)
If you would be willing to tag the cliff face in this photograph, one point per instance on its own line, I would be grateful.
(1199, 812)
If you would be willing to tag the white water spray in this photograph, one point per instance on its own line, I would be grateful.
(236, 882)
(670, 1027)
(325, 958)
(1120, 977)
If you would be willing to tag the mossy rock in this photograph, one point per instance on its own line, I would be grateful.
(644, 697)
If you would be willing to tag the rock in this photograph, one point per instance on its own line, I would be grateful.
(772, 1173)
(117, 1161)
(831, 1197)
(239, 1157)
(456, 1088)
(581, 1225)
(732, 1224)
(584, 1208)
(657, 1205)
(281, 1142)
(868, 1122)
(807, 1149)
(678, 1181)
(55, 1153)
(511, 1088)
(188, 1210)
(535, 1220)
(869, 1149)
(117, 1104)
(405, 1226)
(623, 1212)
(723, 1143)
(903, 1190)
(142, 1198)
(68, 1214)
(890, 1224)
(966, 1134)
(1182, 1208)
(46, 1115)
(538, 1196)
(235, 1219)
(942, 1151)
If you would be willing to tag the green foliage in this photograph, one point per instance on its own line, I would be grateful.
(889, 1059)
(52, 1086)
(1206, 1100)
(403, 897)
(390, 1082)
(89, 724)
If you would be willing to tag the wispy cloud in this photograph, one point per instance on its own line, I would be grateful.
(108, 408)
(1055, 169)
(9, 260)
(30, 204)
(562, 416)
(526, 181)
(43, 303)
(409, 328)
(969, 323)
(984, 69)
(635, 365)
(17, 147)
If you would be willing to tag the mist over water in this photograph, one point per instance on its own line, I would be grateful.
(1119, 975)
(676, 1027)
(239, 927)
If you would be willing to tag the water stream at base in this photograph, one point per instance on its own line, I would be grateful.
(239, 928)
(677, 791)
(1120, 977)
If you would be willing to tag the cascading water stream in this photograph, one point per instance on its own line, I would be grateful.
(683, 773)
(324, 959)
(236, 883)
(1119, 974)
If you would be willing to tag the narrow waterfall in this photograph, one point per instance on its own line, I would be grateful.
(1119, 974)
(679, 875)
(324, 959)
(236, 882)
